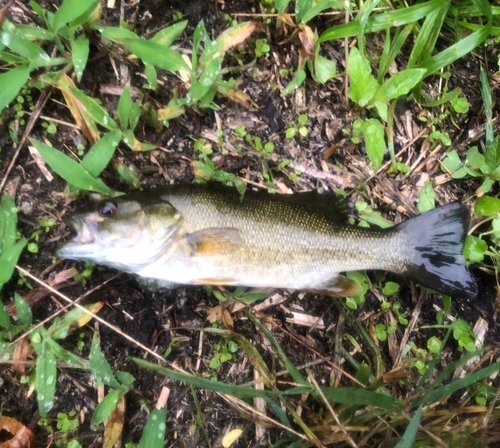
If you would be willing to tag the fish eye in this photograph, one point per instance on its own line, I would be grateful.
(108, 209)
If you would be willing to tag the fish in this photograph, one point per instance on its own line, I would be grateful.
(208, 235)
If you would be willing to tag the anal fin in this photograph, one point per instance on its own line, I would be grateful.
(338, 286)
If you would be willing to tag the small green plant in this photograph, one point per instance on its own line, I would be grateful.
(223, 352)
(66, 424)
(298, 128)
(262, 48)
(85, 274)
(176, 16)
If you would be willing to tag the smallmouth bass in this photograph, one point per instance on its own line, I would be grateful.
(206, 235)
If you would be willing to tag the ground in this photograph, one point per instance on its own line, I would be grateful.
(169, 320)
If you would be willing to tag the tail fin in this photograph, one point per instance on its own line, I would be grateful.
(438, 237)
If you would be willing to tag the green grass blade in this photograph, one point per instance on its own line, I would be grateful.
(445, 98)
(382, 21)
(457, 50)
(427, 36)
(437, 394)
(69, 169)
(290, 367)
(487, 101)
(101, 153)
(216, 386)
(8, 261)
(411, 431)
(11, 83)
(352, 396)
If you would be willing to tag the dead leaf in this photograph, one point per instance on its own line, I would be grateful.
(306, 36)
(231, 437)
(114, 425)
(22, 437)
(61, 277)
(20, 354)
(40, 162)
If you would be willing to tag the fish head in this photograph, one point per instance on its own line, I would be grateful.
(123, 233)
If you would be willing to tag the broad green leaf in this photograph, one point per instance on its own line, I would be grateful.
(124, 106)
(399, 84)
(8, 260)
(298, 79)
(70, 10)
(301, 7)
(4, 318)
(127, 174)
(387, 19)
(101, 153)
(228, 39)
(325, 69)
(363, 84)
(22, 46)
(281, 5)
(34, 33)
(135, 114)
(492, 155)
(487, 205)
(74, 319)
(80, 54)
(411, 431)
(117, 34)
(8, 223)
(96, 112)
(66, 356)
(151, 76)
(100, 368)
(313, 11)
(11, 82)
(156, 54)
(153, 435)
(451, 162)
(23, 311)
(474, 249)
(426, 197)
(68, 169)
(125, 378)
(45, 377)
(106, 406)
(374, 139)
(167, 35)
(390, 288)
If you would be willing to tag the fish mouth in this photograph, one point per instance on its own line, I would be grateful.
(84, 236)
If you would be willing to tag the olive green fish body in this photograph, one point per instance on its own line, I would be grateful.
(206, 235)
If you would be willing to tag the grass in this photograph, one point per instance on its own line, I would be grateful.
(388, 378)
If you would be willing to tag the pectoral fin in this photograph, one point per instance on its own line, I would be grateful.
(213, 242)
(339, 286)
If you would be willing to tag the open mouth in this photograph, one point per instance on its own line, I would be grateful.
(82, 235)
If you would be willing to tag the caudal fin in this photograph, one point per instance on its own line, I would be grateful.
(438, 237)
